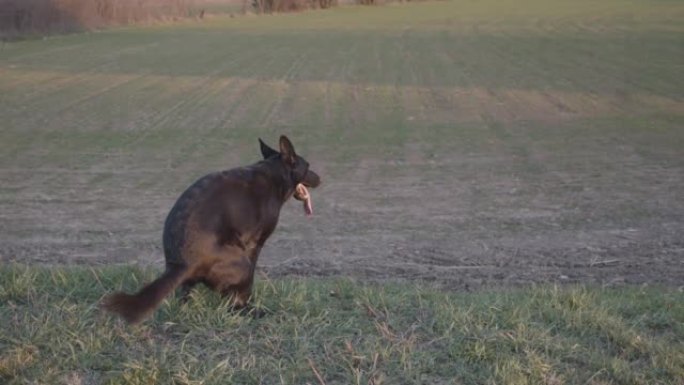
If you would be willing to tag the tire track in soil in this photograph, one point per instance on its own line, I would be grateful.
(416, 179)
(202, 90)
(238, 105)
(48, 91)
(281, 113)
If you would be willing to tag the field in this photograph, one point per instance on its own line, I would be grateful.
(530, 151)
(466, 144)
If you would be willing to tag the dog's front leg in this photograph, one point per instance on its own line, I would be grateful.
(243, 295)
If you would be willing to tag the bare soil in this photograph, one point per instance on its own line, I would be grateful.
(431, 222)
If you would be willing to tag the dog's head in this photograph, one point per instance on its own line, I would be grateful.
(297, 165)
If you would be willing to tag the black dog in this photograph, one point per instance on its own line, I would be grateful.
(216, 229)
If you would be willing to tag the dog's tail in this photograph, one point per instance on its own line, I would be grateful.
(136, 307)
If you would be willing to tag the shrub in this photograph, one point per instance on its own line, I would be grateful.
(270, 6)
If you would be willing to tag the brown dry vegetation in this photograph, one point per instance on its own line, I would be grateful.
(20, 17)
(40, 16)
(269, 6)
(381, 2)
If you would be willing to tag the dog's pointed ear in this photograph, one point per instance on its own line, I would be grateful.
(287, 151)
(266, 151)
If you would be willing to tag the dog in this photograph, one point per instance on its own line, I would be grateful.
(217, 228)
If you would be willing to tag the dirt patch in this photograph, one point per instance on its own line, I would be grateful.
(382, 220)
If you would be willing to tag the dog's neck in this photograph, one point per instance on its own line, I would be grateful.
(281, 177)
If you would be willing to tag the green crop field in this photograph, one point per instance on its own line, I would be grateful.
(463, 145)
(463, 142)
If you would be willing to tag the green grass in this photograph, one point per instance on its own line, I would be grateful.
(351, 332)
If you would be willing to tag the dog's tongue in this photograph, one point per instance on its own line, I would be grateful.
(305, 197)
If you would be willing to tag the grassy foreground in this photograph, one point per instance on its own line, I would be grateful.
(337, 332)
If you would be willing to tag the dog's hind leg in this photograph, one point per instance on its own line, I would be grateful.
(232, 277)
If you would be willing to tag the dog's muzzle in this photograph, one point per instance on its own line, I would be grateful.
(311, 179)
